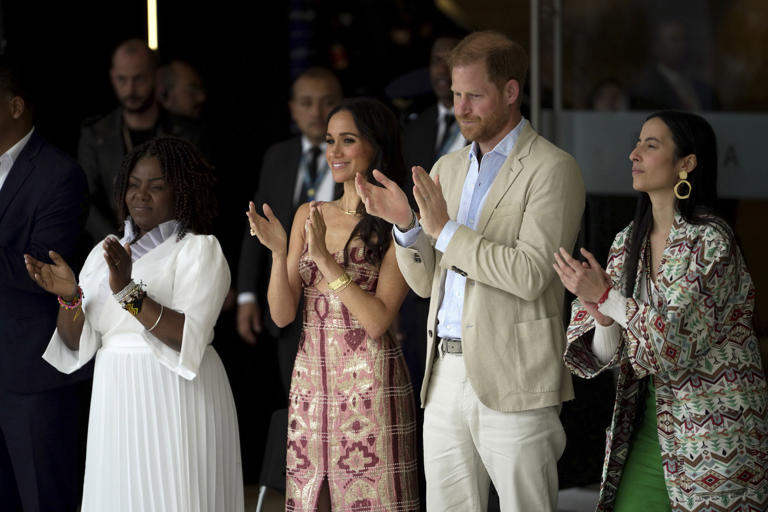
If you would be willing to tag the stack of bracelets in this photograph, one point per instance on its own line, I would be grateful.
(75, 303)
(131, 297)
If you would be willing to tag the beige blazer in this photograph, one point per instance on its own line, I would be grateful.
(512, 322)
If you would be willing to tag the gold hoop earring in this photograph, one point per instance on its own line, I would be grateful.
(683, 181)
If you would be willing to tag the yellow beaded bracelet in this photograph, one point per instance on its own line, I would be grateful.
(340, 283)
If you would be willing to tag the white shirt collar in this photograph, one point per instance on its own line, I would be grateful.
(306, 145)
(8, 158)
(150, 239)
(13, 152)
(505, 145)
(442, 110)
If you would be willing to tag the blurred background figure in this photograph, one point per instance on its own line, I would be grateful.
(609, 95)
(139, 117)
(294, 171)
(667, 82)
(180, 89)
(435, 132)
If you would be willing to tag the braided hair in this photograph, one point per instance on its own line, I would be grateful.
(186, 171)
(380, 128)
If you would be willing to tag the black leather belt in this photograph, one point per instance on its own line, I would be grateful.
(450, 346)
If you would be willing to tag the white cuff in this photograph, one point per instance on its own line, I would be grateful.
(246, 298)
(615, 306)
(605, 341)
(406, 238)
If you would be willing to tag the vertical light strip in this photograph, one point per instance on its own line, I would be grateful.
(152, 24)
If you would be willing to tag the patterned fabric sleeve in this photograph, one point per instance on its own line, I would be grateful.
(578, 356)
(697, 304)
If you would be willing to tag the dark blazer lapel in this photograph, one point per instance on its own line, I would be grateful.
(507, 175)
(292, 161)
(19, 172)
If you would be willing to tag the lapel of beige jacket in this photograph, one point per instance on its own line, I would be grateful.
(509, 171)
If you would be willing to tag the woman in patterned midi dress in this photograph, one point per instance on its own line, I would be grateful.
(351, 427)
(675, 313)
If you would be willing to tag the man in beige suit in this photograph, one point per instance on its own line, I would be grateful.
(492, 216)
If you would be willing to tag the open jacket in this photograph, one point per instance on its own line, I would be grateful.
(512, 331)
(696, 338)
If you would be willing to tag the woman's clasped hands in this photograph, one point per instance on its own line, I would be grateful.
(585, 279)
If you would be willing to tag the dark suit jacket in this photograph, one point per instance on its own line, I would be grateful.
(101, 150)
(277, 183)
(42, 208)
(420, 138)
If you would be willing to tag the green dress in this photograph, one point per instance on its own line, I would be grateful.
(642, 487)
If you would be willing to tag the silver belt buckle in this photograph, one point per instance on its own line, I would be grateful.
(449, 346)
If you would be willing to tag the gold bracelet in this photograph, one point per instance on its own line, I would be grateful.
(340, 283)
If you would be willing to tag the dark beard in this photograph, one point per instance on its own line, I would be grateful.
(148, 103)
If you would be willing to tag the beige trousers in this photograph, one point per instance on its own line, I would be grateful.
(467, 445)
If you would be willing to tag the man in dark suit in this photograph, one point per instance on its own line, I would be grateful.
(104, 141)
(434, 132)
(42, 205)
(293, 172)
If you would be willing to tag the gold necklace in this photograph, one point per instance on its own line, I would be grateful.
(348, 212)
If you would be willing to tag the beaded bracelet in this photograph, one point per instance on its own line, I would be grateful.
(131, 297)
(122, 294)
(74, 303)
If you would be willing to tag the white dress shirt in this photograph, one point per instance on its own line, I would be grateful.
(476, 186)
(457, 141)
(326, 187)
(324, 191)
(9, 157)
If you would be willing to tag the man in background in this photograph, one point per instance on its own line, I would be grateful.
(434, 132)
(104, 141)
(42, 205)
(294, 171)
(180, 89)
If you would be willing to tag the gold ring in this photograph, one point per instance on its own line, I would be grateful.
(253, 232)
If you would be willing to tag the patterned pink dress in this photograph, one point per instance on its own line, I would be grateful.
(352, 412)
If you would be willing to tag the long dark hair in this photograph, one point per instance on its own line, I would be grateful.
(692, 134)
(186, 171)
(379, 127)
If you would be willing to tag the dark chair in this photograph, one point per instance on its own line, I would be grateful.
(273, 467)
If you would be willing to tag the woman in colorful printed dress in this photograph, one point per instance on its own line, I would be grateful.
(351, 426)
(674, 312)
